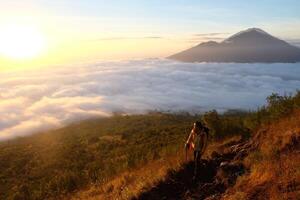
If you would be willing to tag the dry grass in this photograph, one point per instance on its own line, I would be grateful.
(131, 183)
(275, 166)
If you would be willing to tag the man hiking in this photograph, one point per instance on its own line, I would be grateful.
(197, 141)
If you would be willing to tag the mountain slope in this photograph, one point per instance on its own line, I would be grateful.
(249, 46)
(215, 176)
(264, 167)
(109, 154)
(274, 166)
(58, 162)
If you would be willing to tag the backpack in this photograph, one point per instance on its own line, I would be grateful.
(206, 131)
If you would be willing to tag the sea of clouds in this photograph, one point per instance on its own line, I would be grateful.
(37, 100)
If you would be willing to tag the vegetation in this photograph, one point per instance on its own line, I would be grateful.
(91, 152)
(276, 108)
(226, 125)
(274, 167)
(235, 122)
(56, 163)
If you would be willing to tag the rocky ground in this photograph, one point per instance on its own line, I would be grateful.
(215, 176)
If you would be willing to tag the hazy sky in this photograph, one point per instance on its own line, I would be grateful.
(85, 30)
(39, 33)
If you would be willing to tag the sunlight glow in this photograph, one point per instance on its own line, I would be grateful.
(21, 41)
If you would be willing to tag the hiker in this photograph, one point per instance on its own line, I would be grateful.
(197, 141)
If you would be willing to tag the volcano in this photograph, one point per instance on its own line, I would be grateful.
(249, 46)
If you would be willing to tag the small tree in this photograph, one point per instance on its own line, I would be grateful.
(279, 105)
(213, 122)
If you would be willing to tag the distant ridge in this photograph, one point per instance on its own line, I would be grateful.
(253, 45)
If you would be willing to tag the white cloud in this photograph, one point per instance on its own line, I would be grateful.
(38, 100)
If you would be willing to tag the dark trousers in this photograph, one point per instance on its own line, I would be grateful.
(197, 159)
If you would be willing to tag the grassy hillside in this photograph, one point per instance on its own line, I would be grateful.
(54, 164)
(274, 167)
(91, 152)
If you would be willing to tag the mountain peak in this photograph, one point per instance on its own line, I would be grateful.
(256, 31)
(248, 46)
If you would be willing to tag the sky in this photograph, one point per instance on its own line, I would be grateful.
(90, 30)
(98, 57)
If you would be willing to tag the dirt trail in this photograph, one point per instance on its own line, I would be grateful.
(215, 176)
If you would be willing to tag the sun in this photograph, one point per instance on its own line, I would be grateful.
(21, 41)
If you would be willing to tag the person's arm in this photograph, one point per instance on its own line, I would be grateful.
(190, 138)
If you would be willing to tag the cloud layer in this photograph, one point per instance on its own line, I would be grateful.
(38, 100)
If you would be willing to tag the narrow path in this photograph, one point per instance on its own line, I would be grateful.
(215, 176)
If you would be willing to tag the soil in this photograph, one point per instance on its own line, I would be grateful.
(215, 176)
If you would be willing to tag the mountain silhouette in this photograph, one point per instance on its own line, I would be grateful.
(249, 46)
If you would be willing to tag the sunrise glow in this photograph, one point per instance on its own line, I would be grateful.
(21, 41)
